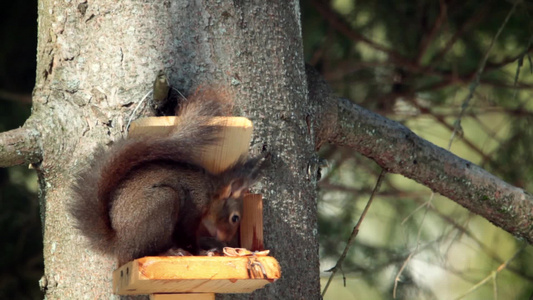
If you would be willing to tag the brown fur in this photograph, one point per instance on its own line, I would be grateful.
(147, 195)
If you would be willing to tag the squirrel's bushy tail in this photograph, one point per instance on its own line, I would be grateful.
(94, 188)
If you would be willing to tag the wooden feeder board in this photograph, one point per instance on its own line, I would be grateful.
(200, 277)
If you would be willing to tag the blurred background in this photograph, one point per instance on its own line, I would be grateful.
(21, 259)
(414, 61)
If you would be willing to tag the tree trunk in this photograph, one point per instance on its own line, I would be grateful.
(97, 61)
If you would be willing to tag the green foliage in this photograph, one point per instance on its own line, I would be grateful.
(417, 61)
(516, 151)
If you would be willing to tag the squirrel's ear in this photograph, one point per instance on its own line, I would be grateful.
(224, 192)
(233, 189)
(241, 176)
(238, 186)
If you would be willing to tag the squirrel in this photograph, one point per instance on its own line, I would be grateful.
(148, 195)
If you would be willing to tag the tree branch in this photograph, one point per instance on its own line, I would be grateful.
(432, 34)
(470, 23)
(398, 150)
(19, 146)
(342, 26)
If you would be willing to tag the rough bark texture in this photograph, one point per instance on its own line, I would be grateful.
(19, 146)
(398, 150)
(98, 59)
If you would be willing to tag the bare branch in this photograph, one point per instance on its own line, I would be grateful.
(434, 30)
(470, 23)
(19, 146)
(493, 274)
(342, 26)
(355, 231)
(398, 150)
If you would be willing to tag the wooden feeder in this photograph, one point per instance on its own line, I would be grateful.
(200, 277)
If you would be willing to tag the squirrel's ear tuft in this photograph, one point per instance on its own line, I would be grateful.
(238, 186)
(233, 189)
(242, 175)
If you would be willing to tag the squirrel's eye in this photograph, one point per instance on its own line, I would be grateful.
(235, 218)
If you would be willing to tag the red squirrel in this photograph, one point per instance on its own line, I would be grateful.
(149, 195)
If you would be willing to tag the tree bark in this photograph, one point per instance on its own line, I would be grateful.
(97, 60)
(398, 150)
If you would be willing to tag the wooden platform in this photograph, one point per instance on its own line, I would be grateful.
(235, 137)
(195, 274)
(200, 277)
